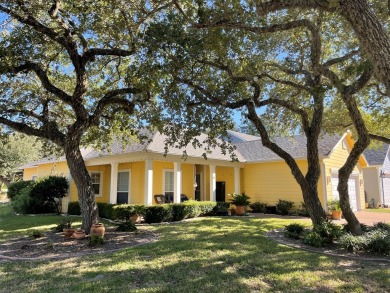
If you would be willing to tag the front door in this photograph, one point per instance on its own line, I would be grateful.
(220, 192)
(123, 187)
(198, 187)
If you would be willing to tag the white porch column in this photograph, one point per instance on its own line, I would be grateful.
(213, 183)
(148, 182)
(114, 183)
(176, 182)
(237, 180)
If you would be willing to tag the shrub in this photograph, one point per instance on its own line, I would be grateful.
(106, 210)
(96, 240)
(314, 239)
(126, 227)
(65, 224)
(221, 208)
(283, 206)
(323, 234)
(46, 193)
(158, 214)
(258, 207)
(179, 212)
(379, 242)
(15, 188)
(240, 199)
(294, 230)
(353, 243)
(199, 208)
(382, 226)
(22, 201)
(123, 212)
(302, 210)
(36, 234)
(74, 208)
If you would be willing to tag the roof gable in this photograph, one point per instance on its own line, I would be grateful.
(377, 156)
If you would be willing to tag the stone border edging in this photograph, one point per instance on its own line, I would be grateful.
(80, 254)
(277, 238)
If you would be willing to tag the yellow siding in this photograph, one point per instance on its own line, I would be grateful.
(28, 173)
(188, 178)
(226, 174)
(158, 175)
(137, 182)
(269, 182)
(336, 160)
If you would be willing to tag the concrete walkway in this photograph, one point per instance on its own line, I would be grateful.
(370, 218)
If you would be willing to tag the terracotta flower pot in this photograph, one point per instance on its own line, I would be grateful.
(135, 219)
(336, 215)
(79, 234)
(98, 229)
(68, 232)
(240, 210)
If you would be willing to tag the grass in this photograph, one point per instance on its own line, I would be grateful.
(381, 210)
(204, 255)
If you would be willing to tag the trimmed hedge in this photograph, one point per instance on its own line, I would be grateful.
(152, 214)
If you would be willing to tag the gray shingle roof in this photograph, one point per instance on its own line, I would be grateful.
(376, 156)
(254, 151)
(240, 137)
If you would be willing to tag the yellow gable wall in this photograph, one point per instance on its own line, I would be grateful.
(269, 182)
(336, 161)
(28, 173)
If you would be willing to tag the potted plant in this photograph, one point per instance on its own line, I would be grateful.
(67, 228)
(138, 212)
(98, 229)
(241, 201)
(335, 209)
(79, 234)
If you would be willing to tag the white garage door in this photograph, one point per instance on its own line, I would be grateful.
(351, 191)
(386, 190)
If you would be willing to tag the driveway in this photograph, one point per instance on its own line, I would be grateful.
(370, 218)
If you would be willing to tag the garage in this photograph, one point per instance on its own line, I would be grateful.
(353, 190)
(386, 189)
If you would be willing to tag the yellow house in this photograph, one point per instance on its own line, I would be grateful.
(135, 173)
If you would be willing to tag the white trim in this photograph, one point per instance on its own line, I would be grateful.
(148, 200)
(324, 185)
(114, 183)
(100, 183)
(163, 187)
(129, 186)
(177, 182)
(213, 183)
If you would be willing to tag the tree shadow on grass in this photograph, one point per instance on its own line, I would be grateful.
(209, 255)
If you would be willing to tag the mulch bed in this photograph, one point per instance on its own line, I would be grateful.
(55, 245)
(333, 250)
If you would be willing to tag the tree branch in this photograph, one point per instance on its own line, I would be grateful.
(379, 138)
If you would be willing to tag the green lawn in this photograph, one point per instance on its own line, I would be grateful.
(204, 255)
(386, 210)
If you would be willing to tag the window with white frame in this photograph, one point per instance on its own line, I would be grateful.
(97, 182)
(168, 182)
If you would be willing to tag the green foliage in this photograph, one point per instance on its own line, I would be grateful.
(126, 227)
(240, 199)
(375, 241)
(353, 243)
(106, 210)
(21, 203)
(294, 230)
(258, 207)
(302, 210)
(15, 188)
(96, 240)
(66, 223)
(179, 212)
(74, 208)
(221, 207)
(284, 206)
(123, 212)
(158, 213)
(314, 239)
(46, 193)
(334, 205)
(36, 234)
(382, 226)
(323, 234)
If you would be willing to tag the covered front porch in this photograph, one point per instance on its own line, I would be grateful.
(135, 179)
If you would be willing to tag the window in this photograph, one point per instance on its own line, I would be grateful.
(97, 183)
(168, 182)
(123, 187)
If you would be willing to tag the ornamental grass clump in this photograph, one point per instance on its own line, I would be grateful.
(294, 230)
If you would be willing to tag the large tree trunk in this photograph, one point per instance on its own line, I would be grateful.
(372, 36)
(313, 204)
(86, 194)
